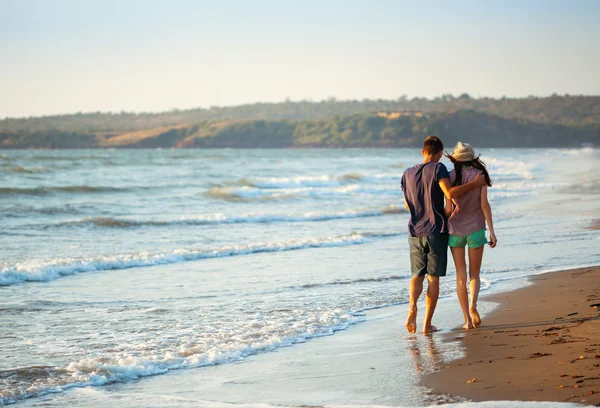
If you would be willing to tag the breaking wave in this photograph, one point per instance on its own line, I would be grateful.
(41, 191)
(15, 211)
(247, 193)
(216, 219)
(506, 169)
(31, 271)
(353, 281)
(26, 170)
(310, 181)
(36, 381)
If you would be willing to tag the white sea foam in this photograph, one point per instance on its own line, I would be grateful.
(253, 339)
(250, 218)
(507, 168)
(47, 270)
(314, 181)
(507, 187)
(292, 182)
(247, 193)
(519, 186)
(371, 190)
(513, 175)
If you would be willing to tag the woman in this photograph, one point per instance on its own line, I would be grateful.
(467, 217)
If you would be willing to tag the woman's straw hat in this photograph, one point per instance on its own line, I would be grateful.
(463, 152)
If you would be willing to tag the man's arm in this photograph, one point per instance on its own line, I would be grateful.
(456, 191)
(402, 185)
(448, 208)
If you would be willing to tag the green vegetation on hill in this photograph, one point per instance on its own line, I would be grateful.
(382, 129)
(565, 110)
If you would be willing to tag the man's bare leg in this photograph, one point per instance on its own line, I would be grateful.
(416, 287)
(431, 298)
(475, 258)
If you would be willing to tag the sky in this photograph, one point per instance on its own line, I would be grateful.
(67, 56)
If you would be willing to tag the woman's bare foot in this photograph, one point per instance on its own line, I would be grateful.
(468, 326)
(429, 328)
(475, 316)
(411, 320)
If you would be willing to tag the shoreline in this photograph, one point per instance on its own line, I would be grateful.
(542, 343)
(376, 363)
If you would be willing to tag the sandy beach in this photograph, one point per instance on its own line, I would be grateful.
(541, 344)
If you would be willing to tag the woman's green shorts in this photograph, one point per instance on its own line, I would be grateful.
(474, 240)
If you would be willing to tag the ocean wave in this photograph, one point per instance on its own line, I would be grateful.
(508, 169)
(30, 382)
(247, 193)
(526, 186)
(15, 211)
(216, 219)
(67, 157)
(41, 191)
(106, 222)
(36, 270)
(589, 187)
(352, 281)
(310, 181)
(26, 170)
(290, 182)
(351, 177)
(519, 189)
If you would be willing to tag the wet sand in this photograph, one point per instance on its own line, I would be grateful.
(541, 344)
(377, 363)
(595, 225)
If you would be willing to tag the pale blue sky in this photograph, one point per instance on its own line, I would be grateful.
(63, 56)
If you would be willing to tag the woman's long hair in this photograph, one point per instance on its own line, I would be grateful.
(476, 162)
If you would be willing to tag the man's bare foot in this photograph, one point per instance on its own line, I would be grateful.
(411, 320)
(429, 328)
(475, 316)
(468, 326)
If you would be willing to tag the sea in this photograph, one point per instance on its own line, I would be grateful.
(120, 266)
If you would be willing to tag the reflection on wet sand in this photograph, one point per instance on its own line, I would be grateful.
(427, 358)
(425, 354)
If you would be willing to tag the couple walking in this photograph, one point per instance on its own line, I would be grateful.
(446, 209)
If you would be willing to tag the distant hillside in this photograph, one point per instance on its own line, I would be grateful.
(562, 110)
(381, 129)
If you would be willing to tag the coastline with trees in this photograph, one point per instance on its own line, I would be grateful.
(556, 121)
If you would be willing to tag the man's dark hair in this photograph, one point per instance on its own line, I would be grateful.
(432, 145)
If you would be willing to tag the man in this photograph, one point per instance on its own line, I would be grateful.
(425, 186)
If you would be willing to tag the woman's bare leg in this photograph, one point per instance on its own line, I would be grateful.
(461, 284)
(475, 258)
